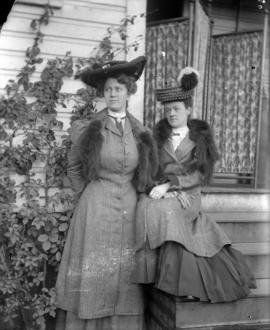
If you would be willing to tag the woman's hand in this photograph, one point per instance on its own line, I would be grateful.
(184, 199)
(159, 191)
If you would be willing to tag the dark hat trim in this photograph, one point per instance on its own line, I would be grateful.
(93, 77)
(173, 94)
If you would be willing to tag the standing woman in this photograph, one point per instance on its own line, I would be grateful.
(179, 249)
(111, 157)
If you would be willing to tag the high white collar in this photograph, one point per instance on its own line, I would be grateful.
(182, 130)
(117, 115)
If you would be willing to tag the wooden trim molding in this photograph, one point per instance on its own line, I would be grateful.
(56, 4)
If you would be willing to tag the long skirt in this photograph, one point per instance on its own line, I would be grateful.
(69, 321)
(172, 268)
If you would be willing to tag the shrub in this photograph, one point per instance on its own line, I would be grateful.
(32, 235)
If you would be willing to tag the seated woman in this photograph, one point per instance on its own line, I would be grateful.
(178, 248)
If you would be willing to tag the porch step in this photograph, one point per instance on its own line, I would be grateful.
(240, 216)
(236, 202)
(250, 232)
(263, 288)
(260, 265)
(245, 217)
(252, 313)
(253, 249)
(244, 226)
(243, 311)
(168, 312)
(257, 257)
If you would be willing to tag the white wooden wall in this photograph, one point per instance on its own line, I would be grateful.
(77, 26)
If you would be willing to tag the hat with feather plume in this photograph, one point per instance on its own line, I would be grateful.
(187, 80)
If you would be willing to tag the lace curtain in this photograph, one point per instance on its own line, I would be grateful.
(170, 39)
(234, 99)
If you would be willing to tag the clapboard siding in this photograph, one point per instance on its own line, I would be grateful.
(52, 46)
(108, 3)
(78, 27)
(54, 3)
(70, 85)
(62, 28)
(16, 59)
(89, 13)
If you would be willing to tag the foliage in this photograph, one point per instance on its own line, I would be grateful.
(33, 233)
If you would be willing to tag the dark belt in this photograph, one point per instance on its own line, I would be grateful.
(186, 188)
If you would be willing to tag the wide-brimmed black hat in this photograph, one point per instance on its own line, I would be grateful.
(94, 76)
(187, 80)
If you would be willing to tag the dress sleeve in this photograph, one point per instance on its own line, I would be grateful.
(74, 167)
(186, 181)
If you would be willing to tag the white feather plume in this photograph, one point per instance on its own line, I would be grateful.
(187, 70)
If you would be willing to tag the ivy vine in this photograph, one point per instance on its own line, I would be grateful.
(33, 233)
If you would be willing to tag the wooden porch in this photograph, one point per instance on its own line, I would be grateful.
(235, 199)
(244, 214)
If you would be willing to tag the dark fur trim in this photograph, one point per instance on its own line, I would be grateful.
(90, 145)
(162, 132)
(205, 153)
(148, 162)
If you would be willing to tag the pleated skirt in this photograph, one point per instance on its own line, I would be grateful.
(173, 269)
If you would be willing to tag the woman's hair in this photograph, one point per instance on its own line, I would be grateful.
(128, 81)
(188, 102)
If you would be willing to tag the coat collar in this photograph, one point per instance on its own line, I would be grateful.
(184, 148)
(135, 126)
(91, 143)
(168, 147)
(108, 124)
(181, 151)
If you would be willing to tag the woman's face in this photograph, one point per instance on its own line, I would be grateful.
(176, 113)
(116, 95)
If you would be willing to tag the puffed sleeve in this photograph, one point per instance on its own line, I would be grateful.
(74, 168)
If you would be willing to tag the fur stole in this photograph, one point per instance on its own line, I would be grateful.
(205, 153)
(90, 144)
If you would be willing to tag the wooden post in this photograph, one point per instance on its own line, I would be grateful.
(257, 153)
(237, 16)
(135, 8)
(194, 33)
(207, 81)
(190, 35)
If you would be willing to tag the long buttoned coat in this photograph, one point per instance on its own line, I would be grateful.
(94, 278)
(165, 219)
